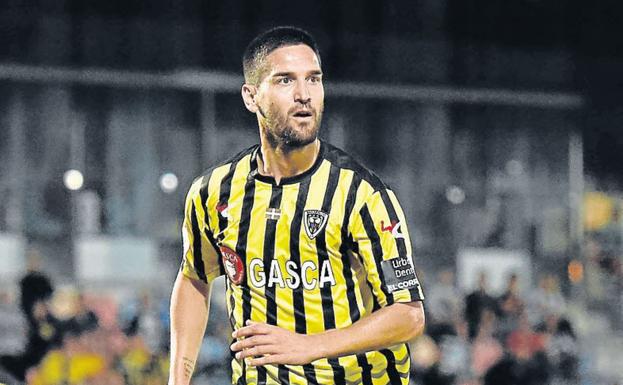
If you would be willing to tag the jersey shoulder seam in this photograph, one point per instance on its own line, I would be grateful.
(345, 161)
(230, 160)
(207, 173)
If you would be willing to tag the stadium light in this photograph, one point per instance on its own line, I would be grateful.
(73, 180)
(455, 195)
(168, 182)
(514, 167)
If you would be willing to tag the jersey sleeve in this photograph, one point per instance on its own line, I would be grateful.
(382, 241)
(201, 259)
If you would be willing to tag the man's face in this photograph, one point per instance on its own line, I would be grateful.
(290, 97)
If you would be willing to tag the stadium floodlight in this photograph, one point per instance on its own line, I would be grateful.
(514, 167)
(455, 195)
(73, 180)
(168, 182)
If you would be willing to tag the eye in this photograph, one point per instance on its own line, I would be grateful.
(314, 79)
(284, 80)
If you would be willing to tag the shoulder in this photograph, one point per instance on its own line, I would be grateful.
(345, 161)
(218, 171)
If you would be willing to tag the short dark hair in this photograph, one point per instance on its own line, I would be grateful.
(267, 42)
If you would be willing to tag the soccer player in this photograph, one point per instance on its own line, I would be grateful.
(321, 284)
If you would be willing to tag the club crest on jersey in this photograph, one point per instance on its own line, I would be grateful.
(233, 265)
(315, 221)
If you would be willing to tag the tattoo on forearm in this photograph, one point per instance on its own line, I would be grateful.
(189, 366)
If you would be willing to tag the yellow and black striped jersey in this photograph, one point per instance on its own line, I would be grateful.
(318, 251)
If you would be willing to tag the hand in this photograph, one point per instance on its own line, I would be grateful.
(268, 344)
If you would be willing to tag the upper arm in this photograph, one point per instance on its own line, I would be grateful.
(201, 260)
(380, 232)
(184, 282)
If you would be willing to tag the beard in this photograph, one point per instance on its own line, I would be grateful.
(282, 131)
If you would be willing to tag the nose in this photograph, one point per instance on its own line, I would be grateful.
(301, 93)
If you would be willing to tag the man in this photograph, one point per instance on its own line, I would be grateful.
(44, 331)
(321, 284)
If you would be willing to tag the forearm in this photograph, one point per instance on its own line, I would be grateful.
(189, 315)
(391, 325)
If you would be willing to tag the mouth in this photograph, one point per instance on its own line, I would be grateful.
(302, 114)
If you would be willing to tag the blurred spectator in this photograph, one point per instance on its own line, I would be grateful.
(139, 366)
(142, 317)
(425, 355)
(34, 286)
(486, 350)
(477, 302)
(89, 353)
(595, 285)
(510, 306)
(44, 329)
(455, 353)
(528, 350)
(604, 283)
(546, 299)
(504, 372)
(44, 334)
(79, 360)
(563, 354)
(444, 301)
(84, 319)
(523, 342)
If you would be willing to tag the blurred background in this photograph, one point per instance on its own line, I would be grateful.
(498, 124)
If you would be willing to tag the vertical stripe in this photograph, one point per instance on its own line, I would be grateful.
(269, 255)
(197, 258)
(241, 247)
(377, 249)
(295, 256)
(344, 247)
(362, 361)
(224, 194)
(392, 372)
(210, 237)
(203, 192)
(323, 257)
(270, 291)
(366, 369)
(298, 300)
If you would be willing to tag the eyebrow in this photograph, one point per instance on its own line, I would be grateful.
(278, 74)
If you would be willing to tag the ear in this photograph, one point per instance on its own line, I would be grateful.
(249, 93)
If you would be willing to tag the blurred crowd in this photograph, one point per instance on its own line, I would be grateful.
(61, 336)
(66, 336)
(480, 339)
(69, 337)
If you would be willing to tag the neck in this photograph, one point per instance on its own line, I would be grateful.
(279, 164)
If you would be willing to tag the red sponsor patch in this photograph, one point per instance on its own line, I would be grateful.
(233, 265)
